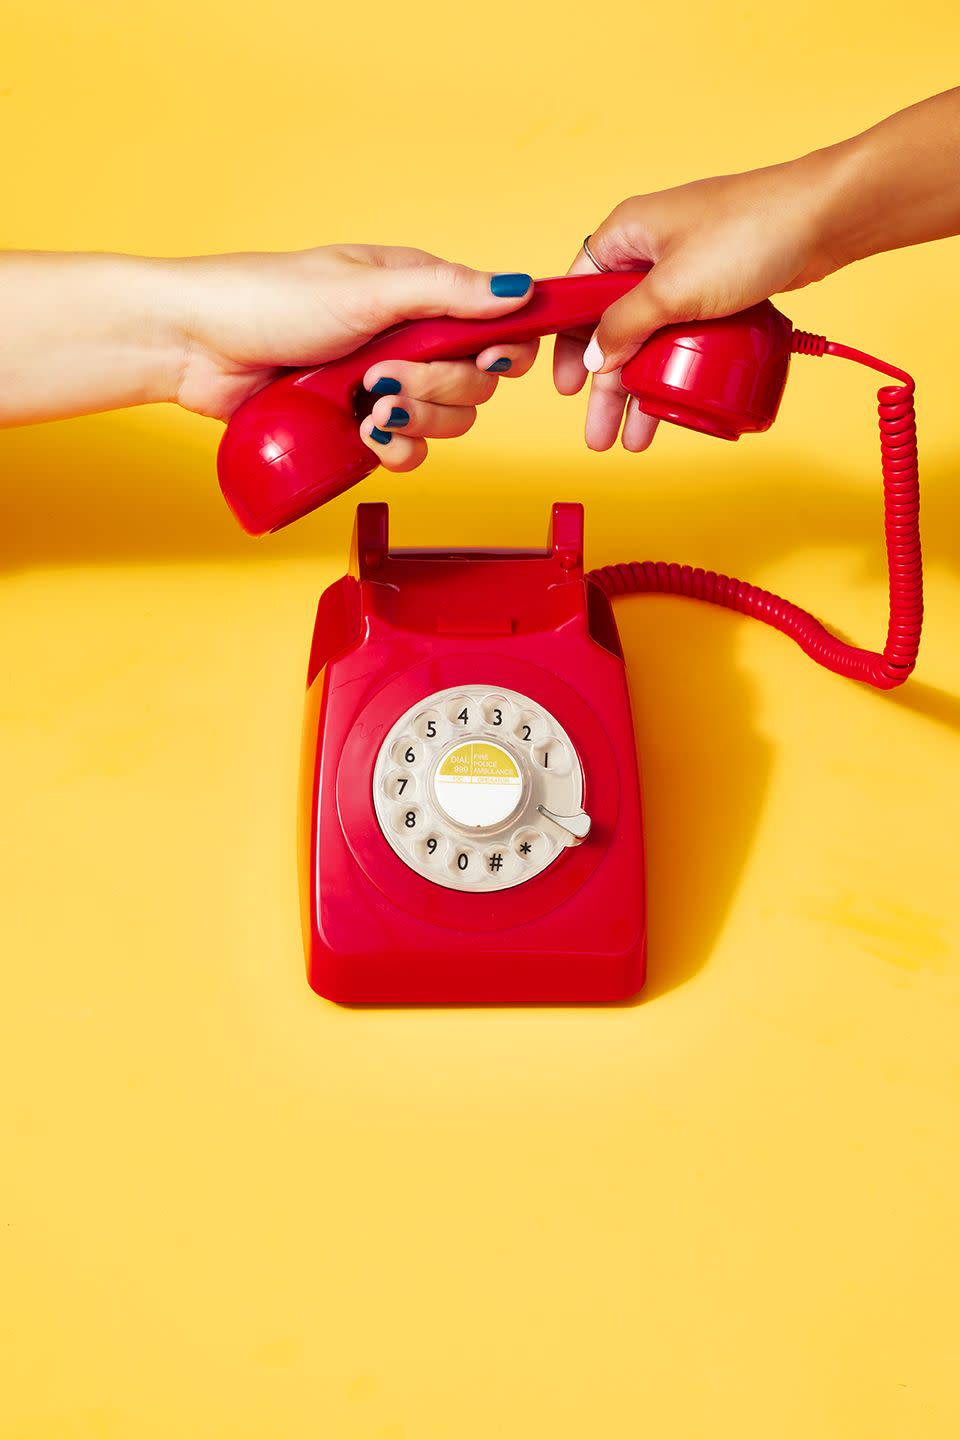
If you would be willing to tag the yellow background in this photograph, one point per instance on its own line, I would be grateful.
(230, 1209)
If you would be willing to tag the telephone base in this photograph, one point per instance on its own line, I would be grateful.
(470, 799)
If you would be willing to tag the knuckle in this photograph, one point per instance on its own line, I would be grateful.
(432, 382)
(606, 386)
(621, 240)
(458, 279)
(672, 294)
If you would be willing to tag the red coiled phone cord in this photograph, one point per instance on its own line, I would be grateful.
(901, 506)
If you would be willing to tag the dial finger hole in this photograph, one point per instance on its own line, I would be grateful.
(496, 711)
(462, 712)
(529, 846)
(431, 849)
(529, 727)
(551, 756)
(497, 862)
(462, 863)
(407, 819)
(407, 751)
(400, 785)
(428, 724)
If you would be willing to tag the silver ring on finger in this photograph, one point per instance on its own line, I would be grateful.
(590, 255)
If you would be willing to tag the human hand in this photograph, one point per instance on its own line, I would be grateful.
(717, 246)
(246, 316)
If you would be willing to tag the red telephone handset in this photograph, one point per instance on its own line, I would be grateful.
(295, 444)
(471, 815)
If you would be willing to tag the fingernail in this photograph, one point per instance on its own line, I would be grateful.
(510, 286)
(382, 437)
(593, 356)
(386, 385)
(498, 366)
(398, 417)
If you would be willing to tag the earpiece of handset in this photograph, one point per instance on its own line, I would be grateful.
(287, 450)
(722, 377)
(296, 444)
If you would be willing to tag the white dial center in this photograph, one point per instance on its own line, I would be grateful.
(478, 783)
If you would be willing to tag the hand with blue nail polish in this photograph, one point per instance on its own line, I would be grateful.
(210, 331)
(414, 402)
(234, 321)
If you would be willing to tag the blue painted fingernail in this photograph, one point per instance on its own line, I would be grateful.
(498, 366)
(382, 437)
(398, 417)
(386, 385)
(510, 286)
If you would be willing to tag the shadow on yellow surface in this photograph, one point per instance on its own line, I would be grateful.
(148, 493)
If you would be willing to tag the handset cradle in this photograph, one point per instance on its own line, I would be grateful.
(470, 801)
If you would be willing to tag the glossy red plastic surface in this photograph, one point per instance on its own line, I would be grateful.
(887, 668)
(295, 444)
(401, 626)
(722, 377)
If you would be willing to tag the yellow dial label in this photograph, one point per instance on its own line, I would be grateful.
(477, 760)
(478, 783)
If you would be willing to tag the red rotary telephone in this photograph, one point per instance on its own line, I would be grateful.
(470, 801)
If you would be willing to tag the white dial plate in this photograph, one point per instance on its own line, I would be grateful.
(459, 780)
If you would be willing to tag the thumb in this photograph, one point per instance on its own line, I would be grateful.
(663, 298)
(440, 287)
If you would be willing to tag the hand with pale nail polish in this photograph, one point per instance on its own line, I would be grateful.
(722, 244)
(717, 246)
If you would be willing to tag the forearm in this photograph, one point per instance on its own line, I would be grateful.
(82, 333)
(896, 184)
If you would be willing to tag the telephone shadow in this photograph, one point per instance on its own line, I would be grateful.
(705, 765)
(705, 770)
